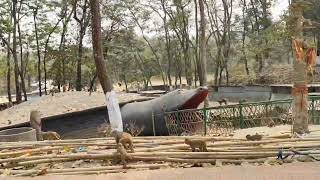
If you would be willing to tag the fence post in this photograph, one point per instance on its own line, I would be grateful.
(178, 122)
(153, 125)
(241, 115)
(205, 120)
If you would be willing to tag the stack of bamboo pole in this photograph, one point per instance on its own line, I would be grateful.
(38, 158)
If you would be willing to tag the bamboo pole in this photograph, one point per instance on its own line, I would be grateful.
(66, 170)
(53, 156)
(145, 154)
(92, 172)
(30, 151)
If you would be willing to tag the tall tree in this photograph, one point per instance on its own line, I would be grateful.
(65, 23)
(83, 22)
(35, 13)
(22, 67)
(244, 34)
(14, 52)
(300, 89)
(5, 29)
(220, 27)
(202, 62)
(104, 79)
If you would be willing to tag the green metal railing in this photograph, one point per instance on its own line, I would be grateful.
(225, 119)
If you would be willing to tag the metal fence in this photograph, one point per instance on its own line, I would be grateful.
(225, 119)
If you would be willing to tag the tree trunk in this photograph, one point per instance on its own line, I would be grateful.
(244, 56)
(9, 70)
(300, 89)
(220, 75)
(216, 74)
(62, 39)
(79, 62)
(196, 49)
(38, 49)
(167, 36)
(92, 82)
(14, 53)
(97, 47)
(227, 74)
(202, 64)
(203, 47)
(125, 83)
(22, 69)
(61, 49)
(83, 23)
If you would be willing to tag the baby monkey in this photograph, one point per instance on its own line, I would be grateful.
(124, 138)
(256, 137)
(123, 154)
(200, 144)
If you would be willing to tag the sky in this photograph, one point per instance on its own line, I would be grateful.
(278, 8)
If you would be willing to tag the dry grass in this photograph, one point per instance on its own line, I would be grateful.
(134, 129)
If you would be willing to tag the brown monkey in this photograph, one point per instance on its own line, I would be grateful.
(124, 138)
(200, 144)
(224, 101)
(35, 123)
(256, 137)
(123, 154)
(50, 135)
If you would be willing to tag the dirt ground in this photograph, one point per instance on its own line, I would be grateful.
(298, 171)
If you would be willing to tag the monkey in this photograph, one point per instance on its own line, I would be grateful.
(35, 123)
(223, 100)
(256, 137)
(124, 138)
(123, 154)
(50, 135)
(200, 144)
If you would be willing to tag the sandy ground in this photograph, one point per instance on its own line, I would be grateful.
(58, 104)
(294, 171)
(275, 131)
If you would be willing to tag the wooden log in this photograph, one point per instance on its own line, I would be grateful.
(239, 143)
(62, 143)
(258, 148)
(22, 145)
(282, 136)
(41, 161)
(30, 151)
(53, 156)
(194, 161)
(92, 172)
(144, 154)
(65, 170)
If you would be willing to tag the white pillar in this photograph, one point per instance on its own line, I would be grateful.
(114, 111)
